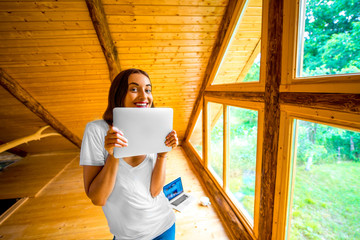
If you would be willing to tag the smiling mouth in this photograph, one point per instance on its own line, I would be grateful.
(141, 105)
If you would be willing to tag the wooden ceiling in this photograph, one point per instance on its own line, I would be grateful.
(51, 49)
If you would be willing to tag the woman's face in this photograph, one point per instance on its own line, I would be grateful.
(139, 91)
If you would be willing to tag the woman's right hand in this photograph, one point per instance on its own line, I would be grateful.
(114, 138)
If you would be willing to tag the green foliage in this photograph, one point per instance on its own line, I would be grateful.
(332, 37)
(326, 144)
(326, 202)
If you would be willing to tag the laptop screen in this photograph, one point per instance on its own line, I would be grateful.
(173, 189)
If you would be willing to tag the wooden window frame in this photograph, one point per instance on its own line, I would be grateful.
(256, 106)
(339, 83)
(285, 167)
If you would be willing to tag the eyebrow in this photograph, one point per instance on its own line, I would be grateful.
(138, 84)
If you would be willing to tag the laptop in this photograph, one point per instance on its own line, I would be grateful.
(175, 193)
(144, 128)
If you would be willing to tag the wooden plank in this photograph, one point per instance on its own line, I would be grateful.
(45, 57)
(176, 20)
(17, 34)
(45, 63)
(160, 55)
(74, 42)
(100, 23)
(42, 6)
(164, 36)
(271, 117)
(161, 10)
(47, 26)
(164, 49)
(43, 16)
(162, 27)
(330, 101)
(164, 43)
(54, 69)
(89, 49)
(169, 2)
(24, 97)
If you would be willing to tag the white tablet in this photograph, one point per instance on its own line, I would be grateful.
(144, 128)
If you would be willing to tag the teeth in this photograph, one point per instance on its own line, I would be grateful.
(141, 104)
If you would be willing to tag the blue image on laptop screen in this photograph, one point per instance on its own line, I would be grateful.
(173, 189)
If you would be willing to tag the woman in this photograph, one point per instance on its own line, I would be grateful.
(129, 189)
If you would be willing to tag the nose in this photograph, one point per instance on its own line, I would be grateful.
(142, 94)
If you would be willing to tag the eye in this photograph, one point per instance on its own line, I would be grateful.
(148, 90)
(133, 89)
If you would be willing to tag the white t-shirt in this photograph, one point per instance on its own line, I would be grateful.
(131, 211)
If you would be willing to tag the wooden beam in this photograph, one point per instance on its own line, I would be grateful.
(13, 87)
(101, 26)
(222, 206)
(271, 117)
(330, 101)
(242, 96)
(227, 29)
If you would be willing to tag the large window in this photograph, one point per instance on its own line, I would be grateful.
(306, 161)
(325, 188)
(234, 154)
(329, 40)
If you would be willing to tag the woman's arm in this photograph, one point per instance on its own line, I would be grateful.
(99, 181)
(159, 171)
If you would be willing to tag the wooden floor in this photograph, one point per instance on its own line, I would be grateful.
(61, 210)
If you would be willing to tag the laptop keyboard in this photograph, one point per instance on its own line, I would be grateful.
(180, 200)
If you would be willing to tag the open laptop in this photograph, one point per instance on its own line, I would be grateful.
(175, 193)
(144, 128)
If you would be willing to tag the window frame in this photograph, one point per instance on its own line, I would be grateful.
(285, 169)
(257, 106)
(339, 83)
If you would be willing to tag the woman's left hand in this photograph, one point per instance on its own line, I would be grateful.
(171, 139)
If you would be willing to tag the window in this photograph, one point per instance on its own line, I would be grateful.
(329, 40)
(196, 136)
(243, 125)
(216, 124)
(242, 62)
(325, 181)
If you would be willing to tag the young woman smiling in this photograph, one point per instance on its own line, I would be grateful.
(128, 189)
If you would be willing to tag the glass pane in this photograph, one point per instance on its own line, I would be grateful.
(242, 151)
(243, 49)
(196, 136)
(326, 196)
(329, 40)
(254, 72)
(215, 123)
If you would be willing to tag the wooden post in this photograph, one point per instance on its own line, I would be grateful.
(25, 97)
(271, 117)
(101, 26)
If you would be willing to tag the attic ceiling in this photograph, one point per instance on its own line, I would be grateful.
(52, 50)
